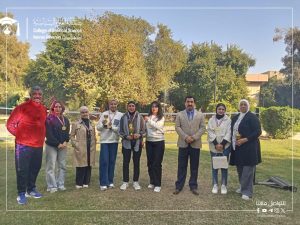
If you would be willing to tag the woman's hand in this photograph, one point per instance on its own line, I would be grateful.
(241, 141)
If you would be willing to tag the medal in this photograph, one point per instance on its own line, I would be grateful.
(63, 128)
(62, 122)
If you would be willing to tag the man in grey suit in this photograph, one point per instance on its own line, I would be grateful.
(190, 126)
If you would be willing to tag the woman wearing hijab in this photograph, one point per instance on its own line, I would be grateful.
(132, 129)
(245, 155)
(219, 138)
(83, 140)
(155, 144)
(57, 137)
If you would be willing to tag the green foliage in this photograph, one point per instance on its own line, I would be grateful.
(208, 70)
(13, 64)
(278, 121)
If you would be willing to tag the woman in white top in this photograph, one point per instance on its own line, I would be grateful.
(219, 136)
(155, 144)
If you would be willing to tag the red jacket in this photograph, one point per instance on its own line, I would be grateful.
(27, 124)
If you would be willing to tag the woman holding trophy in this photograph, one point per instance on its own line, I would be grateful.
(246, 147)
(108, 127)
(132, 129)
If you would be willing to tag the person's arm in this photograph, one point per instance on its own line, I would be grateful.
(227, 136)
(14, 120)
(201, 130)
(100, 126)
(255, 128)
(158, 125)
(51, 139)
(178, 128)
(122, 133)
(211, 136)
(73, 135)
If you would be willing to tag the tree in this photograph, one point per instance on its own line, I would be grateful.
(291, 62)
(17, 63)
(208, 68)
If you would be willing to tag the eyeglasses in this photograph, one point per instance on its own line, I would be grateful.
(57, 106)
(155, 106)
(84, 112)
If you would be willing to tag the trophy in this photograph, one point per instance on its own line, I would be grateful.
(106, 122)
(131, 129)
(238, 136)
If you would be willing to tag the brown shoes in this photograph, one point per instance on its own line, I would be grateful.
(195, 192)
(176, 192)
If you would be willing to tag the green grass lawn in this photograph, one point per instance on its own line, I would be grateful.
(155, 208)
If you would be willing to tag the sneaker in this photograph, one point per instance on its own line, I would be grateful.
(62, 188)
(223, 189)
(34, 194)
(85, 186)
(157, 189)
(124, 186)
(103, 188)
(136, 186)
(78, 186)
(245, 197)
(52, 190)
(22, 200)
(238, 190)
(215, 189)
(150, 186)
(111, 186)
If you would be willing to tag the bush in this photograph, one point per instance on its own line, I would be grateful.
(278, 121)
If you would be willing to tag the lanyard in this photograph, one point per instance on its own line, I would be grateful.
(219, 123)
(62, 122)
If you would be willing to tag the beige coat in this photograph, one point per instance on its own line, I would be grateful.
(78, 141)
(194, 128)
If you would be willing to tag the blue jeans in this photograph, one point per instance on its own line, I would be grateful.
(224, 172)
(107, 159)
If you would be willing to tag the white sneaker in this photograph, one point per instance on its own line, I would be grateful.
(238, 190)
(124, 186)
(136, 186)
(157, 189)
(62, 188)
(245, 197)
(103, 188)
(52, 190)
(85, 186)
(150, 186)
(78, 187)
(111, 186)
(215, 189)
(223, 189)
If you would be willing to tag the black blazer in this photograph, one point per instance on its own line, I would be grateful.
(248, 154)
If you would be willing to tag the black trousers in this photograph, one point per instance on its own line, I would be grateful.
(83, 175)
(155, 153)
(28, 162)
(183, 155)
(136, 163)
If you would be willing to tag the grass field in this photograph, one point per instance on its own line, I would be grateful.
(147, 207)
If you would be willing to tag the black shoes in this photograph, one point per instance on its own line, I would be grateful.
(195, 192)
(176, 192)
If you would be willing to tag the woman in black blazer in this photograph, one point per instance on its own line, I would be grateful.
(245, 129)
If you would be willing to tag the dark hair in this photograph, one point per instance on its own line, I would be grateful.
(220, 104)
(53, 105)
(131, 102)
(189, 96)
(159, 113)
(35, 88)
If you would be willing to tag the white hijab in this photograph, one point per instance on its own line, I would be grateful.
(237, 123)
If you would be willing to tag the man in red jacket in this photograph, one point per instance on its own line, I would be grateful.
(27, 124)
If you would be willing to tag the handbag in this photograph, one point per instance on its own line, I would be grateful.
(220, 162)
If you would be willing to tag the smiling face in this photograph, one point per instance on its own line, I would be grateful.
(113, 105)
(243, 107)
(221, 110)
(37, 96)
(189, 104)
(131, 107)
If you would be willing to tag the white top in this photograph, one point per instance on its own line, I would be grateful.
(155, 129)
(109, 135)
(220, 130)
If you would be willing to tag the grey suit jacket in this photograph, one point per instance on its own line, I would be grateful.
(194, 128)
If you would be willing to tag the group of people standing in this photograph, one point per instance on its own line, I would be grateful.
(29, 123)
